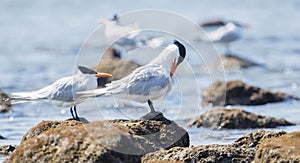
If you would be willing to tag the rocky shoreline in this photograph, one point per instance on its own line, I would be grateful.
(154, 138)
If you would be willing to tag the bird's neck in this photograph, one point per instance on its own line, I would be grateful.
(165, 58)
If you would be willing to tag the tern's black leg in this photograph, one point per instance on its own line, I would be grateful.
(153, 115)
(72, 112)
(76, 116)
(151, 105)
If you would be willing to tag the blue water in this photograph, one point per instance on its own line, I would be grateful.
(40, 43)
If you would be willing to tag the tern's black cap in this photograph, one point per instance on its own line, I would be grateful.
(181, 48)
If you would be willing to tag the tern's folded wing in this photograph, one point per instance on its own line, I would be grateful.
(149, 79)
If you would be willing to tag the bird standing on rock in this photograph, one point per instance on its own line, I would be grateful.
(63, 92)
(148, 82)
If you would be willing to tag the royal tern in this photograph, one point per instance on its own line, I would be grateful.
(224, 32)
(148, 82)
(63, 92)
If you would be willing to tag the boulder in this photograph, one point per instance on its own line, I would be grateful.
(159, 130)
(282, 149)
(230, 62)
(209, 153)
(116, 66)
(5, 102)
(235, 119)
(111, 62)
(253, 139)
(7, 149)
(46, 125)
(239, 151)
(99, 141)
(112, 53)
(238, 93)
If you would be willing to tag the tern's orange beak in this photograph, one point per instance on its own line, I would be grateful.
(173, 68)
(103, 75)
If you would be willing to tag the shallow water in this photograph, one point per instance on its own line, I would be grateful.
(40, 42)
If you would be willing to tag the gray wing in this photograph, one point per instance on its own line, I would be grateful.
(64, 92)
(144, 86)
(142, 81)
(64, 89)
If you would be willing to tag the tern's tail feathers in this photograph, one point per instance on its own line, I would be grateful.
(26, 96)
(93, 93)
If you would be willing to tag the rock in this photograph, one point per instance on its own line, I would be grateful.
(283, 149)
(238, 93)
(239, 151)
(229, 62)
(112, 53)
(253, 139)
(210, 153)
(235, 119)
(1, 137)
(115, 66)
(99, 141)
(5, 102)
(46, 125)
(160, 131)
(7, 149)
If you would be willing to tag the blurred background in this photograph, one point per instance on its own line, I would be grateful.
(40, 43)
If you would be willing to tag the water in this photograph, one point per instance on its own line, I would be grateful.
(40, 41)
